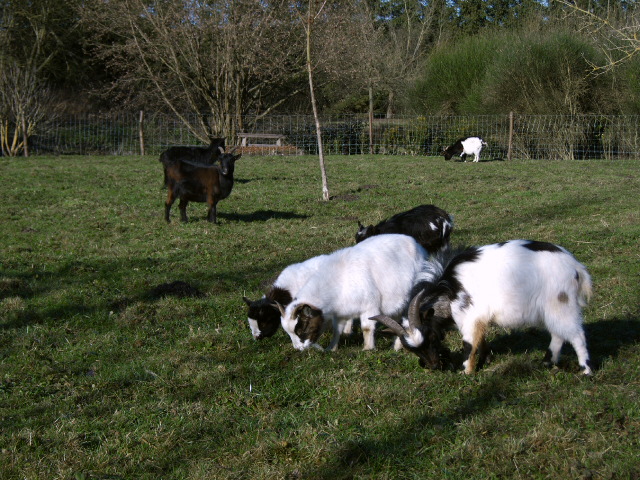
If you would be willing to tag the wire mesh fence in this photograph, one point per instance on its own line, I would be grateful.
(516, 136)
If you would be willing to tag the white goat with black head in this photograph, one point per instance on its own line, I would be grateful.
(465, 146)
(518, 283)
(373, 277)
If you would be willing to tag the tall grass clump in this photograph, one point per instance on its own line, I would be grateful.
(452, 79)
(524, 71)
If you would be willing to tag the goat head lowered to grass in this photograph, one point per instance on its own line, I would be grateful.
(373, 277)
(519, 283)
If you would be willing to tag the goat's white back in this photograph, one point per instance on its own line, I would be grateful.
(514, 286)
(473, 146)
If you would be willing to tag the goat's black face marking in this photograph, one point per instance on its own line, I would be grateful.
(466, 350)
(536, 246)
(266, 315)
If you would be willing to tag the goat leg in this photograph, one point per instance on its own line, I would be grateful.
(183, 210)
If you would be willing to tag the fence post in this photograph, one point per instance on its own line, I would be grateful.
(141, 131)
(509, 150)
(25, 137)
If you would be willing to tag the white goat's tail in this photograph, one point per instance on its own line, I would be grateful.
(584, 285)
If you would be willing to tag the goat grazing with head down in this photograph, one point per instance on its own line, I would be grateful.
(464, 147)
(263, 314)
(192, 182)
(519, 283)
(370, 278)
(429, 225)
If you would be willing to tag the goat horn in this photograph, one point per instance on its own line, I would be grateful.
(389, 322)
(414, 309)
(281, 308)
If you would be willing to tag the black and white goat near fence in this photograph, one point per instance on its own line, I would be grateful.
(464, 147)
(519, 283)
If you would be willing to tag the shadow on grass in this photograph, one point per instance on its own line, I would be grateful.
(354, 458)
(260, 216)
(604, 339)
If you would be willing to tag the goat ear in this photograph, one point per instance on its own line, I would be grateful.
(247, 301)
(360, 226)
(237, 157)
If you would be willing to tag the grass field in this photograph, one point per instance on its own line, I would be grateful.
(107, 373)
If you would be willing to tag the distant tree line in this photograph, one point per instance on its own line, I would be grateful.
(233, 62)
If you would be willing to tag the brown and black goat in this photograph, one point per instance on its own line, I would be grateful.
(192, 182)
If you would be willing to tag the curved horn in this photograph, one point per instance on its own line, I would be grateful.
(394, 326)
(279, 307)
(414, 309)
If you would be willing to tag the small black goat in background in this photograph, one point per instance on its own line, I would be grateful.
(205, 155)
(193, 182)
(429, 225)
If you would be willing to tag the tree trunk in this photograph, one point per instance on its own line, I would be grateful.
(370, 119)
(323, 171)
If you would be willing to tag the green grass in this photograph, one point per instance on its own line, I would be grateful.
(103, 378)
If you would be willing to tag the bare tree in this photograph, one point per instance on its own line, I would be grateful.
(222, 60)
(615, 28)
(313, 13)
(23, 92)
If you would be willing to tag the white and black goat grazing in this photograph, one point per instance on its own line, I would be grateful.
(464, 147)
(192, 182)
(371, 278)
(429, 225)
(205, 155)
(519, 283)
(263, 315)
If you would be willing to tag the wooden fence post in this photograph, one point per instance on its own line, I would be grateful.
(141, 131)
(25, 137)
(509, 150)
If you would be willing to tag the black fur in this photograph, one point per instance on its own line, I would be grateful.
(454, 150)
(265, 311)
(536, 246)
(417, 224)
(204, 155)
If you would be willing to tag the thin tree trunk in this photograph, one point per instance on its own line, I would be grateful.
(25, 137)
(370, 119)
(323, 171)
(141, 132)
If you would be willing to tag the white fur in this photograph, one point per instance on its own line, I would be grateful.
(473, 146)
(370, 278)
(512, 286)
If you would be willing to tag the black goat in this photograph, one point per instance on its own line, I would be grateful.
(192, 182)
(429, 225)
(205, 155)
